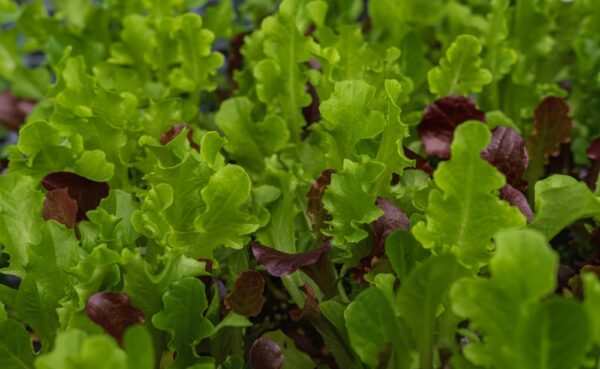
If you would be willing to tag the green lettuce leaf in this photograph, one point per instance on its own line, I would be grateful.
(349, 202)
(15, 345)
(419, 309)
(527, 331)
(225, 221)
(460, 72)
(559, 201)
(250, 143)
(374, 331)
(184, 303)
(465, 212)
(21, 218)
(349, 119)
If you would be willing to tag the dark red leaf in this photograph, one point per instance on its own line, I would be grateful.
(420, 162)
(310, 310)
(393, 218)
(14, 110)
(441, 119)
(593, 154)
(235, 59)
(59, 206)
(86, 192)
(563, 163)
(507, 152)
(593, 151)
(174, 132)
(279, 264)
(113, 312)
(266, 354)
(518, 199)
(552, 127)
(247, 296)
(316, 211)
(563, 275)
(311, 112)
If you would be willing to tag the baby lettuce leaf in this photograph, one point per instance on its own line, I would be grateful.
(348, 119)
(419, 309)
(246, 298)
(198, 61)
(465, 212)
(39, 296)
(293, 357)
(59, 206)
(404, 252)
(499, 56)
(348, 216)
(21, 220)
(559, 201)
(315, 209)
(249, 143)
(552, 126)
(460, 72)
(75, 349)
(440, 120)
(518, 199)
(390, 151)
(225, 220)
(138, 345)
(182, 317)
(278, 263)
(16, 346)
(86, 192)
(281, 76)
(266, 354)
(375, 333)
(507, 153)
(113, 312)
(528, 332)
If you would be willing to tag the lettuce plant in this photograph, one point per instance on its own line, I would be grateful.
(299, 184)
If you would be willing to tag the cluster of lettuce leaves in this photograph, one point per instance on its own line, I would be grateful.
(209, 151)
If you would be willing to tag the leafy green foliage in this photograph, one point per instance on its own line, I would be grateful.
(465, 212)
(184, 303)
(527, 331)
(559, 201)
(300, 183)
(345, 225)
(373, 330)
(15, 344)
(460, 71)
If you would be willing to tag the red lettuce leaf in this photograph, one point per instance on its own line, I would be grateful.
(175, 131)
(311, 112)
(59, 206)
(247, 296)
(552, 127)
(266, 354)
(518, 199)
(441, 119)
(86, 192)
(316, 211)
(310, 311)
(393, 218)
(14, 110)
(113, 312)
(508, 154)
(279, 264)
(593, 154)
(420, 162)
